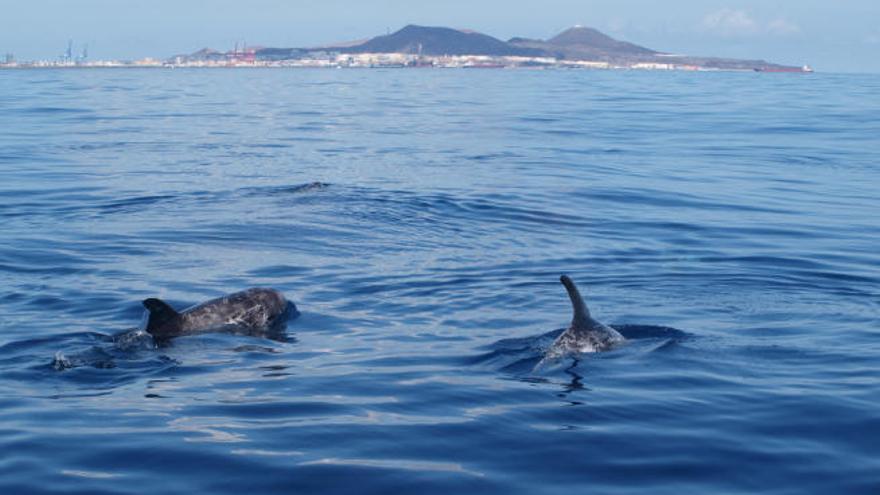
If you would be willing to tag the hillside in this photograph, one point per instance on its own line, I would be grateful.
(437, 41)
(580, 37)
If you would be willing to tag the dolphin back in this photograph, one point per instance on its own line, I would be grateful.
(253, 311)
(584, 335)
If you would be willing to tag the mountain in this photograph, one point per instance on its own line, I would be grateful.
(580, 37)
(438, 41)
(577, 43)
(583, 43)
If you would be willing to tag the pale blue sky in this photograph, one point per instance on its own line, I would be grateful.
(832, 35)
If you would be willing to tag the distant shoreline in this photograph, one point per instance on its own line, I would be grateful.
(438, 47)
(322, 68)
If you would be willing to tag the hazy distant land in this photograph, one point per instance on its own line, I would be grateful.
(441, 47)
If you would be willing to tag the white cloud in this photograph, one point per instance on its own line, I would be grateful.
(731, 23)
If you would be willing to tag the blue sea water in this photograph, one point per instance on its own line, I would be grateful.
(420, 219)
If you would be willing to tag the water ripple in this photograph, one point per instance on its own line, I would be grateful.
(724, 223)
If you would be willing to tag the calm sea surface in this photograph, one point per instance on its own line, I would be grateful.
(420, 220)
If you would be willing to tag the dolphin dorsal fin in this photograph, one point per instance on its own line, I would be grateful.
(160, 313)
(581, 316)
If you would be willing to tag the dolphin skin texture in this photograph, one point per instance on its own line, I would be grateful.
(253, 312)
(584, 335)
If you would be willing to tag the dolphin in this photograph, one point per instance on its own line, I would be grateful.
(584, 335)
(254, 311)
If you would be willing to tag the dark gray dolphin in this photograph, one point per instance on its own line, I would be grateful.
(584, 335)
(252, 312)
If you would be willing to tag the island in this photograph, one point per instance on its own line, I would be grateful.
(414, 46)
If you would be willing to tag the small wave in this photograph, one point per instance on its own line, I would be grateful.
(293, 189)
(54, 110)
(72, 203)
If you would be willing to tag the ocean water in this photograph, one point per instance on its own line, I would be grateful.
(728, 224)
